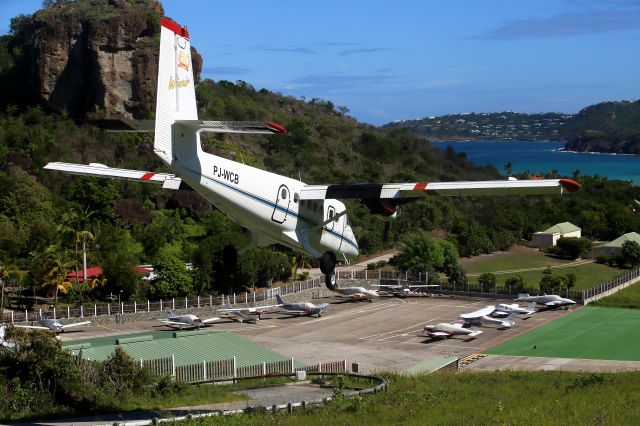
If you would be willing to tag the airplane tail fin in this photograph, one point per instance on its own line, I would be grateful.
(510, 320)
(523, 295)
(169, 312)
(531, 306)
(176, 97)
(280, 300)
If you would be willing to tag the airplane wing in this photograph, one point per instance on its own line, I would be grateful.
(35, 327)
(479, 313)
(169, 322)
(75, 324)
(167, 180)
(210, 320)
(554, 303)
(396, 191)
(439, 334)
(122, 125)
(475, 333)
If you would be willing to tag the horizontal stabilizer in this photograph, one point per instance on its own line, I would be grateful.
(168, 180)
(266, 127)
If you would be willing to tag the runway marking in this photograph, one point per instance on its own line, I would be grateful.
(397, 330)
(375, 308)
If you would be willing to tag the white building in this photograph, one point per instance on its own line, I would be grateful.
(550, 237)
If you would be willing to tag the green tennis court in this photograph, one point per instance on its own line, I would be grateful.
(588, 333)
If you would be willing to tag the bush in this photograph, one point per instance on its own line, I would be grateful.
(604, 259)
(487, 281)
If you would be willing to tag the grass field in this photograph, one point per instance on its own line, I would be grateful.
(587, 333)
(625, 298)
(521, 258)
(500, 398)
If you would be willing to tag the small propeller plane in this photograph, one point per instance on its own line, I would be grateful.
(445, 330)
(503, 309)
(355, 294)
(302, 308)
(187, 320)
(54, 325)
(243, 314)
(481, 317)
(549, 300)
(402, 290)
(274, 208)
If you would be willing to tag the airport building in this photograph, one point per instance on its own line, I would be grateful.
(614, 248)
(550, 237)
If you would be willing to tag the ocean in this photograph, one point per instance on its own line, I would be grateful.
(543, 156)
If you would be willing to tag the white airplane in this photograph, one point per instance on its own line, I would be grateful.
(503, 309)
(402, 290)
(54, 325)
(302, 308)
(550, 300)
(187, 320)
(274, 208)
(243, 314)
(445, 330)
(481, 317)
(355, 294)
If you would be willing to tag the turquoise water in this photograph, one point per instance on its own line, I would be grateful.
(543, 156)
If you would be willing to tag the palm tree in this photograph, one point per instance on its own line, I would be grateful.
(4, 275)
(57, 270)
(75, 222)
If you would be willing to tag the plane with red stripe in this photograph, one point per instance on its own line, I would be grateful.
(274, 208)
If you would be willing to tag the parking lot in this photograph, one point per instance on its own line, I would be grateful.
(383, 335)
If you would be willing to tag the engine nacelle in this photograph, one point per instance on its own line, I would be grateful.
(382, 207)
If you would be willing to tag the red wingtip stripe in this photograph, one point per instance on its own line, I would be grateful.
(147, 176)
(278, 128)
(569, 185)
(420, 186)
(175, 27)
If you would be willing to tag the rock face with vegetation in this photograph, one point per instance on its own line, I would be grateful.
(89, 57)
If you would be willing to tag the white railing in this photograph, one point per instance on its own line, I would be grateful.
(617, 282)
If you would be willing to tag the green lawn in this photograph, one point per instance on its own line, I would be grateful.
(588, 274)
(587, 333)
(625, 298)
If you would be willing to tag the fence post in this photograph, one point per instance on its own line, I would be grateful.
(204, 370)
(11, 317)
(186, 303)
(54, 312)
(234, 298)
(108, 308)
(173, 366)
(292, 367)
(95, 310)
(210, 300)
(141, 365)
(26, 315)
(254, 297)
(264, 368)
(246, 297)
(235, 367)
(135, 307)
(344, 365)
(319, 367)
(198, 301)
(69, 312)
(173, 303)
(40, 312)
(160, 305)
(122, 307)
(148, 306)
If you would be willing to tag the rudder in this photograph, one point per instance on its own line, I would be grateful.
(176, 95)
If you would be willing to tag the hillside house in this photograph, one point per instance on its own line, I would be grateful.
(550, 237)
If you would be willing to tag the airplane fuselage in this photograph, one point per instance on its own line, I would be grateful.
(268, 204)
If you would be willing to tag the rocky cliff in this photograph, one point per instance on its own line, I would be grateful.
(93, 58)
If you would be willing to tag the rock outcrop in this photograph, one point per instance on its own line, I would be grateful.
(94, 59)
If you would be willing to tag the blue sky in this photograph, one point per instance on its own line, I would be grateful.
(408, 59)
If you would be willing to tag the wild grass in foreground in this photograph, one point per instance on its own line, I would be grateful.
(474, 398)
(625, 298)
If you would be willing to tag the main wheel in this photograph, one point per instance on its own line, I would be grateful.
(328, 263)
(330, 280)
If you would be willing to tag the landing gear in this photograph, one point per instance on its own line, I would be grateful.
(328, 268)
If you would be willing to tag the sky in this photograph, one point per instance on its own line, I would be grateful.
(407, 59)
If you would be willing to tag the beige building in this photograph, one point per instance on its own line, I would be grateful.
(550, 237)
(614, 248)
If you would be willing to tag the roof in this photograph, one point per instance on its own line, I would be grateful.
(188, 347)
(96, 271)
(562, 228)
(631, 236)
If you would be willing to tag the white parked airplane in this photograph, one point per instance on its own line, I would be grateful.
(354, 293)
(302, 308)
(402, 290)
(481, 317)
(274, 208)
(243, 314)
(445, 330)
(54, 325)
(503, 309)
(550, 300)
(187, 320)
